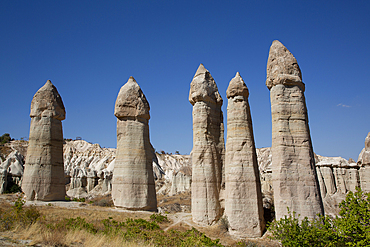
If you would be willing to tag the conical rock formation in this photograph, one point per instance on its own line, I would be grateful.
(208, 148)
(294, 178)
(44, 170)
(133, 181)
(243, 205)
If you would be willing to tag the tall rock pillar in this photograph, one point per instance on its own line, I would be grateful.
(133, 185)
(208, 148)
(294, 178)
(43, 177)
(243, 205)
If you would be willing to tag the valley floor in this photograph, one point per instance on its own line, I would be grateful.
(54, 212)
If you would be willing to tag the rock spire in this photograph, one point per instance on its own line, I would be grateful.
(133, 185)
(208, 148)
(294, 177)
(44, 178)
(243, 205)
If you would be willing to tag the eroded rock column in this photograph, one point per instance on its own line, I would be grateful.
(364, 163)
(43, 177)
(208, 148)
(294, 176)
(243, 206)
(133, 185)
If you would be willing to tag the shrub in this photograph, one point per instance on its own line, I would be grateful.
(354, 221)
(12, 187)
(78, 199)
(159, 218)
(352, 228)
(5, 138)
(18, 215)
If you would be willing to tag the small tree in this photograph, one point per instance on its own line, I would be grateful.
(5, 138)
(354, 221)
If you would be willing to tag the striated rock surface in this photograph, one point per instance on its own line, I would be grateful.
(336, 177)
(173, 172)
(294, 176)
(208, 148)
(364, 163)
(133, 180)
(44, 171)
(243, 204)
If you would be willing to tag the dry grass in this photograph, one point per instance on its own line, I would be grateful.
(43, 236)
(40, 234)
(92, 214)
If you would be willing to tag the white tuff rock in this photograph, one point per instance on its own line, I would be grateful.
(133, 180)
(294, 176)
(44, 171)
(208, 148)
(243, 203)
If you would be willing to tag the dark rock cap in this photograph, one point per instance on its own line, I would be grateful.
(282, 67)
(203, 87)
(131, 101)
(47, 103)
(237, 87)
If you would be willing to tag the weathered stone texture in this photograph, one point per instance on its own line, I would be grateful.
(208, 148)
(294, 176)
(336, 175)
(44, 170)
(364, 163)
(133, 181)
(243, 204)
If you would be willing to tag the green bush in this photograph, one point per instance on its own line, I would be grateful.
(78, 199)
(351, 228)
(5, 138)
(159, 218)
(17, 214)
(12, 187)
(354, 221)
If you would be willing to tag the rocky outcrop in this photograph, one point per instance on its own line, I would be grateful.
(294, 176)
(133, 180)
(44, 171)
(11, 169)
(173, 172)
(208, 148)
(86, 166)
(364, 163)
(243, 204)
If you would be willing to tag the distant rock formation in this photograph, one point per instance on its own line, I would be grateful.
(208, 148)
(11, 169)
(243, 204)
(44, 171)
(173, 172)
(294, 176)
(133, 180)
(88, 166)
(364, 163)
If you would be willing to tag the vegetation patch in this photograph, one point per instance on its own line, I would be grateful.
(64, 232)
(350, 228)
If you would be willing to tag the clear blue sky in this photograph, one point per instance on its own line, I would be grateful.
(89, 49)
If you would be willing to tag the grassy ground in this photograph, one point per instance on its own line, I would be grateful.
(52, 228)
